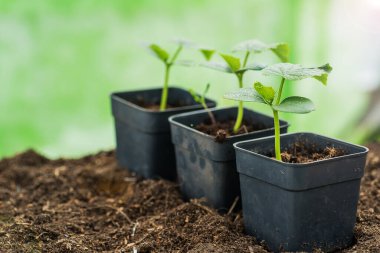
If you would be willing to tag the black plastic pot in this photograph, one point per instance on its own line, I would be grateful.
(143, 136)
(207, 168)
(298, 207)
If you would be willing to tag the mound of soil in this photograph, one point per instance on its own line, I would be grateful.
(223, 129)
(91, 205)
(300, 153)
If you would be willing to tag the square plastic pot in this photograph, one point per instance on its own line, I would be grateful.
(206, 168)
(143, 141)
(299, 207)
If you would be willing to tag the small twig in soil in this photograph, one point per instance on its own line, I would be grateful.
(120, 211)
(245, 129)
(237, 217)
(194, 202)
(130, 179)
(140, 240)
(233, 205)
(134, 229)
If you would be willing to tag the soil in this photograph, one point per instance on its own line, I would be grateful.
(306, 152)
(223, 129)
(156, 106)
(91, 205)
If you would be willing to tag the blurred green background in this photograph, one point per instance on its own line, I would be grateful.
(60, 60)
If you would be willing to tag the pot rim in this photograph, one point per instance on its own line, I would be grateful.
(116, 96)
(186, 114)
(355, 154)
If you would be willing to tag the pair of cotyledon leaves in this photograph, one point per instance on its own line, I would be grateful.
(162, 54)
(266, 94)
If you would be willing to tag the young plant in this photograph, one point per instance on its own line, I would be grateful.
(267, 95)
(169, 61)
(202, 100)
(238, 66)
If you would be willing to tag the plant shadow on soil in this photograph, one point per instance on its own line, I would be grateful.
(90, 204)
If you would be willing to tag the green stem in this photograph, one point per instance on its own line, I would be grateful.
(176, 53)
(239, 118)
(277, 146)
(246, 58)
(164, 94)
(280, 91)
(165, 90)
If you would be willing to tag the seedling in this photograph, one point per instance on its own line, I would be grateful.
(267, 95)
(169, 61)
(202, 100)
(238, 66)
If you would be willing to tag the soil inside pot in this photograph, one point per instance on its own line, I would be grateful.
(223, 129)
(301, 152)
(156, 106)
(91, 205)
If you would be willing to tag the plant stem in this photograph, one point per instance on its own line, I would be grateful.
(210, 114)
(246, 58)
(165, 90)
(280, 91)
(277, 146)
(239, 118)
(176, 53)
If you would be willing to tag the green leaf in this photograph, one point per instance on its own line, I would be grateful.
(255, 66)
(207, 53)
(295, 105)
(257, 46)
(281, 50)
(217, 66)
(206, 90)
(323, 78)
(159, 52)
(233, 62)
(245, 95)
(297, 72)
(266, 92)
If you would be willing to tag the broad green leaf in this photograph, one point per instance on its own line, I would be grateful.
(281, 50)
(297, 72)
(295, 105)
(257, 46)
(266, 92)
(255, 66)
(217, 66)
(159, 52)
(245, 95)
(207, 53)
(233, 62)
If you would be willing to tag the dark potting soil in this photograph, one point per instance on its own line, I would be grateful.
(305, 152)
(223, 129)
(91, 205)
(156, 106)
